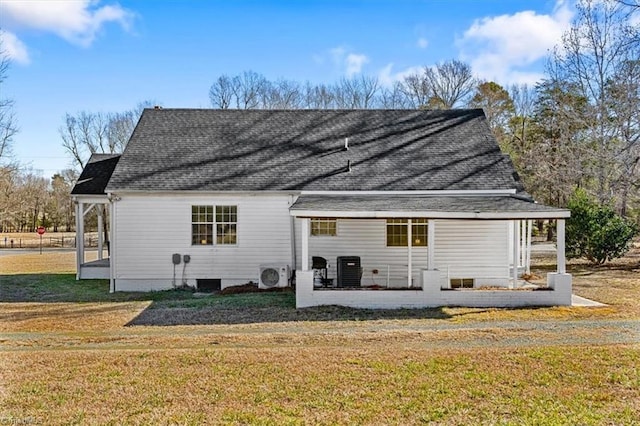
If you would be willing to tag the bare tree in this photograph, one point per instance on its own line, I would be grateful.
(222, 92)
(318, 96)
(624, 102)
(635, 4)
(393, 97)
(416, 90)
(282, 94)
(88, 132)
(595, 50)
(449, 83)
(85, 134)
(249, 89)
(8, 125)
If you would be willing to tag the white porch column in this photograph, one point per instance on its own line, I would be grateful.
(431, 244)
(562, 266)
(528, 256)
(516, 254)
(99, 207)
(523, 242)
(409, 252)
(79, 238)
(112, 247)
(305, 244)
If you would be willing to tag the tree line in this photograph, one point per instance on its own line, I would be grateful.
(576, 128)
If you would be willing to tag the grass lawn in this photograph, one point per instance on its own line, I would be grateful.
(71, 353)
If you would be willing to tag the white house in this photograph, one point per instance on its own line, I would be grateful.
(408, 208)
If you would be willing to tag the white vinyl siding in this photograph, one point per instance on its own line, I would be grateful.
(472, 249)
(150, 229)
(465, 248)
(366, 238)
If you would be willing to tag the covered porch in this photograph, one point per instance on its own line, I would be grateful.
(477, 248)
(100, 267)
(89, 195)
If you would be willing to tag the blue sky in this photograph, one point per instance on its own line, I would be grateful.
(101, 55)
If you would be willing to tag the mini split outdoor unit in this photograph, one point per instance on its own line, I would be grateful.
(275, 275)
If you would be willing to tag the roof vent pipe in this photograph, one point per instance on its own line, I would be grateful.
(348, 165)
(346, 144)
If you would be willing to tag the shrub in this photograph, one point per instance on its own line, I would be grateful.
(596, 232)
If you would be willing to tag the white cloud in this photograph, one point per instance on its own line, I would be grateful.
(502, 47)
(354, 63)
(422, 43)
(387, 77)
(349, 63)
(77, 21)
(14, 48)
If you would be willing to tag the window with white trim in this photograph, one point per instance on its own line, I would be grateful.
(202, 225)
(398, 232)
(324, 227)
(226, 224)
(207, 227)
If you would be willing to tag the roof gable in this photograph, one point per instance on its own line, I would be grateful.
(96, 174)
(254, 150)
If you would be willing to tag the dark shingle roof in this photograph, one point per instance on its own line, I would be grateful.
(252, 150)
(507, 206)
(97, 172)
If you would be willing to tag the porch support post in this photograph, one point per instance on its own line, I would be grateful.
(562, 266)
(528, 256)
(79, 238)
(431, 243)
(409, 252)
(516, 247)
(305, 244)
(523, 241)
(112, 246)
(100, 207)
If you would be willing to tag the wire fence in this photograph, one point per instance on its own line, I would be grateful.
(59, 241)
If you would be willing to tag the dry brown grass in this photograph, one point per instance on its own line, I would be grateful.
(78, 363)
(347, 384)
(49, 262)
(617, 283)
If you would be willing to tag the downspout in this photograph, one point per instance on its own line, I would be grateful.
(292, 225)
(409, 252)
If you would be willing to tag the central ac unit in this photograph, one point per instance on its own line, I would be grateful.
(271, 276)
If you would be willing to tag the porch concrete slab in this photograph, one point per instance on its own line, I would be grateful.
(584, 302)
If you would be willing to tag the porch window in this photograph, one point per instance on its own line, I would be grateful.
(398, 235)
(461, 282)
(226, 224)
(204, 224)
(324, 227)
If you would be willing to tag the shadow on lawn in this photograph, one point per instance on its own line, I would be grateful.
(276, 308)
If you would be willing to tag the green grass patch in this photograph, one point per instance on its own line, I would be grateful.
(65, 288)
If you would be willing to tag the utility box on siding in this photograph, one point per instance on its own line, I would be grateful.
(349, 271)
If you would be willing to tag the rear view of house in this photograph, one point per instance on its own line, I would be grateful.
(369, 208)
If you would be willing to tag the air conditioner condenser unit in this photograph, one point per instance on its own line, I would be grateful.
(273, 275)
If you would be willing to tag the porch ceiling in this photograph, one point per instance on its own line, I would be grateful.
(435, 207)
